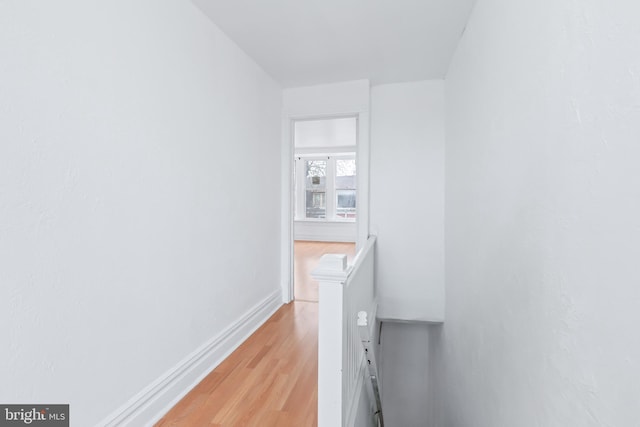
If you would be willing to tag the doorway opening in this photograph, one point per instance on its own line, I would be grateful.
(325, 196)
(307, 255)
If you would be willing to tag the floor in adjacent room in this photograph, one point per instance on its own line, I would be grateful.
(306, 258)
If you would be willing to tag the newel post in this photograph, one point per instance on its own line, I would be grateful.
(331, 274)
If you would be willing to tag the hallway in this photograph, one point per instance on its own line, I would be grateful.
(158, 158)
(270, 380)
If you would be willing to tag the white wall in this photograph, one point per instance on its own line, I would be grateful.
(315, 137)
(404, 373)
(327, 99)
(131, 134)
(542, 216)
(407, 198)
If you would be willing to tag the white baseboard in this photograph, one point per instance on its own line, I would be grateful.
(325, 238)
(155, 400)
(321, 231)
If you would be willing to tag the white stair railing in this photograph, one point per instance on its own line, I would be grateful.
(344, 291)
(372, 382)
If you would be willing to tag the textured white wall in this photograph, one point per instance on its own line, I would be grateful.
(542, 216)
(326, 99)
(139, 195)
(404, 373)
(407, 198)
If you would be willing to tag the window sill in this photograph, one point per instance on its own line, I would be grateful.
(324, 220)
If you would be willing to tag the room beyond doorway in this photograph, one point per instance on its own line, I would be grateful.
(325, 190)
(306, 257)
(325, 195)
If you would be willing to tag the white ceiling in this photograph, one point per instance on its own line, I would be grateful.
(305, 42)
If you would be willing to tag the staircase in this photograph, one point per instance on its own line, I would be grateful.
(348, 387)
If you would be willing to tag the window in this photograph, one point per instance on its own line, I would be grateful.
(315, 188)
(326, 187)
(346, 188)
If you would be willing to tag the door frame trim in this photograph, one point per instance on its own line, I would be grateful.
(363, 158)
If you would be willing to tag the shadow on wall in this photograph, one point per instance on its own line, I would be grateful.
(410, 373)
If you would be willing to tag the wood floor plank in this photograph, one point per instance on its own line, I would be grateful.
(270, 380)
(306, 258)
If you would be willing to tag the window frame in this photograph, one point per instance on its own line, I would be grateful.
(300, 189)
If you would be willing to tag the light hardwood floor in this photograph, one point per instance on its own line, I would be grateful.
(306, 258)
(270, 380)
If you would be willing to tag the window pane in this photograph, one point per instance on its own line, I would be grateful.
(346, 204)
(315, 182)
(316, 169)
(346, 167)
(346, 188)
(316, 204)
(346, 174)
